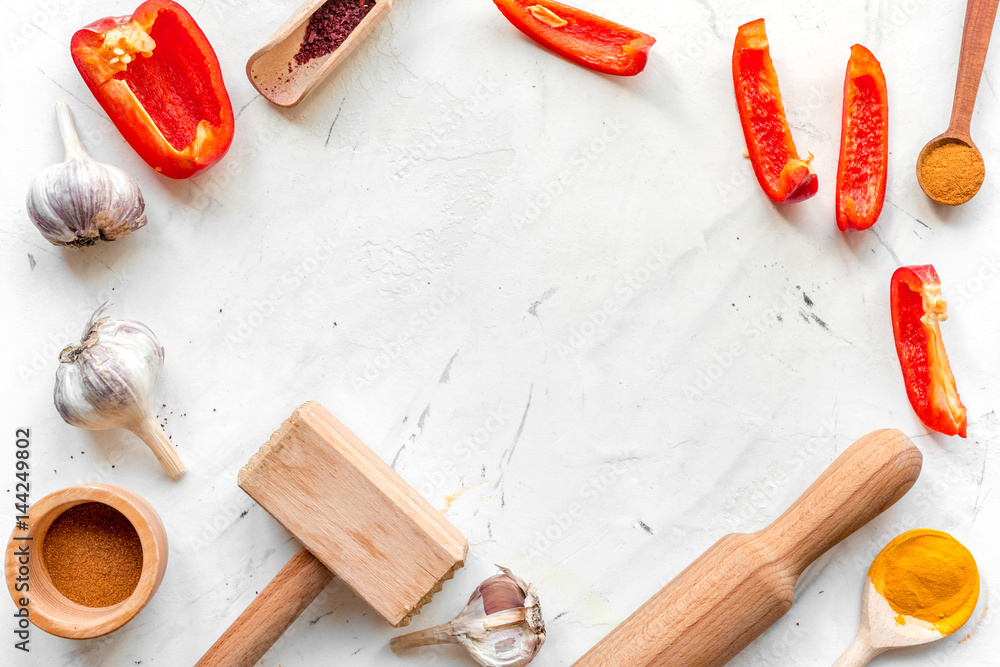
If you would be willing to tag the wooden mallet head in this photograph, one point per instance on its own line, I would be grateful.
(354, 516)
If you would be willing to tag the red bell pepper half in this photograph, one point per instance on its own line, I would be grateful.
(579, 36)
(159, 80)
(864, 143)
(783, 176)
(917, 307)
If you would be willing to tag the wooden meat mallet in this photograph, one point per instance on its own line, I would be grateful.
(354, 516)
(745, 582)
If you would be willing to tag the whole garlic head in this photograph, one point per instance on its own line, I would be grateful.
(80, 201)
(107, 381)
(501, 625)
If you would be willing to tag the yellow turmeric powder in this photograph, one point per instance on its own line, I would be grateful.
(928, 575)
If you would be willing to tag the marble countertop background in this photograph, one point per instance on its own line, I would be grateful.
(556, 302)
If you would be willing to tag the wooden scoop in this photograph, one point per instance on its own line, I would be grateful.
(883, 628)
(268, 68)
(354, 516)
(745, 582)
(979, 17)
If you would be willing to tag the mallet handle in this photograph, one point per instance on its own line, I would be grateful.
(270, 614)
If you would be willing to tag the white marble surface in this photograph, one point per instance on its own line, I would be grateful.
(400, 248)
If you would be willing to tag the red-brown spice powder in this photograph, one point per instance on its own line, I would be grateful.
(93, 555)
(330, 25)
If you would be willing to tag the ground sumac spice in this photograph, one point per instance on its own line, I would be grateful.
(330, 25)
(93, 555)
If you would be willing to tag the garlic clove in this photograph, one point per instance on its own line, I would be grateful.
(108, 380)
(500, 592)
(510, 634)
(80, 201)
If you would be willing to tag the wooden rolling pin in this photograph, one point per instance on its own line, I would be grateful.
(745, 582)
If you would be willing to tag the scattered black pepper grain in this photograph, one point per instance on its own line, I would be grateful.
(329, 26)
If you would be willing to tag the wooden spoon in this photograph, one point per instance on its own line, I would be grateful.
(883, 628)
(273, 71)
(979, 16)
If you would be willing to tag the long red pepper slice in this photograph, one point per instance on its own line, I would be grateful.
(917, 307)
(579, 36)
(783, 176)
(864, 143)
(158, 79)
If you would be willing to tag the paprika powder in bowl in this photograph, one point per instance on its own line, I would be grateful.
(86, 561)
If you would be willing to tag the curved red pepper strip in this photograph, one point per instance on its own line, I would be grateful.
(864, 143)
(917, 307)
(164, 91)
(579, 36)
(780, 172)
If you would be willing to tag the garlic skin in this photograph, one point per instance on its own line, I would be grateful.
(81, 201)
(501, 626)
(107, 381)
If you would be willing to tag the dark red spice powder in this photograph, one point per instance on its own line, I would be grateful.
(330, 25)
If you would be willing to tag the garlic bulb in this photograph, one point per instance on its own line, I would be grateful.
(107, 381)
(79, 201)
(501, 626)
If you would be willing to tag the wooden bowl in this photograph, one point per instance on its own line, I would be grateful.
(49, 609)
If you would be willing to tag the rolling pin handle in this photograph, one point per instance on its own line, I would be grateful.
(863, 482)
(700, 618)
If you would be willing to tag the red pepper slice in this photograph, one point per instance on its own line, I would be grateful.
(157, 77)
(780, 172)
(917, 307)
(579, 36)
(864, 143)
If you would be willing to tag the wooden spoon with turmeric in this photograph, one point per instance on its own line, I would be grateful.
(923, 586)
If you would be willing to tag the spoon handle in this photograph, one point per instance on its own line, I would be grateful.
(858, 654)
(979, 16)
